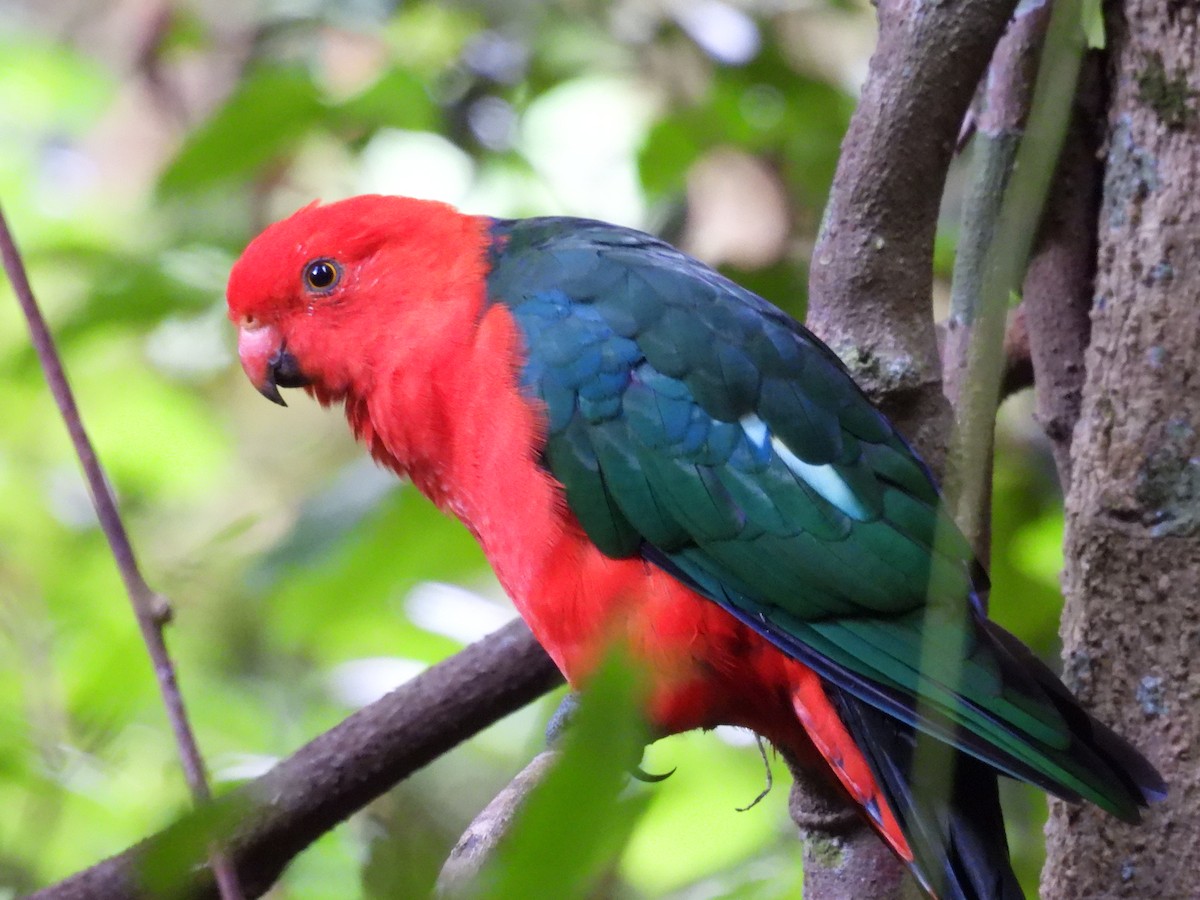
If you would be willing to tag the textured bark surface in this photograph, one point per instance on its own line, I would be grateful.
(872, 269)
(842, 857)
(870, 290)
(1131, 628)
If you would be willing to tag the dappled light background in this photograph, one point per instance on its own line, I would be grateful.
(144, 143)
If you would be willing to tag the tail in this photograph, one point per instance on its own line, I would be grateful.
(948, 828)
(947, 806)
(934, 798)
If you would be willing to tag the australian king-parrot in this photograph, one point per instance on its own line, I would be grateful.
(647, 451)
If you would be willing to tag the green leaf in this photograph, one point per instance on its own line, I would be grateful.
(164, 866)
(135, 290)
(574, 825)
(263, 119)
(397, 100)
(669, 150)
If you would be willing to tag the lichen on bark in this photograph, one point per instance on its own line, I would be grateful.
(1131, 626)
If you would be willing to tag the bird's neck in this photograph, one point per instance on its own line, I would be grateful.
(453, 419)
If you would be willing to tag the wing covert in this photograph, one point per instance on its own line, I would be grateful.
(687, 413)
(692, 423)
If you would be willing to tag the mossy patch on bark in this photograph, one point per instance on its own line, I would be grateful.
(1169, 95)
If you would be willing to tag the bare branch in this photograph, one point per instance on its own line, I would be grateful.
(1007, 95)
(274, 817)
(872, 270)
(1014, 177)
(841, 857)
(478, 843)
(972, 360)
(872, 278)
(150, 609)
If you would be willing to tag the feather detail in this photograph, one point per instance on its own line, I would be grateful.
(649, 453)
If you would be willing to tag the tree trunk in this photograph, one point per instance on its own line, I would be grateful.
(1131, 627)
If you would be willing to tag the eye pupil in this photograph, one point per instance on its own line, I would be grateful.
(321, 274)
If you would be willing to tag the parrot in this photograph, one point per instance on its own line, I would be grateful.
(648, 452)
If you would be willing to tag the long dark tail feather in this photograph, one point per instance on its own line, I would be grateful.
(1096, 755)
(955, 830)
(1132, 769)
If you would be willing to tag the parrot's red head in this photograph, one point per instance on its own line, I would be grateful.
(313, 294)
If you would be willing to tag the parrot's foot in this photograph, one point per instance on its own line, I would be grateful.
(560, 724)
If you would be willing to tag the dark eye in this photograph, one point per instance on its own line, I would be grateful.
(322, 275)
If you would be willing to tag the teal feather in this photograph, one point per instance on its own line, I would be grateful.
(694, 424)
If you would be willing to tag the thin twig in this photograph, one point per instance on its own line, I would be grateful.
(276, 816)
(477, 846)
(151, 609)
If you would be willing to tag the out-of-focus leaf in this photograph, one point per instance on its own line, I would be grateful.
(337, 590)
(45, 85)
(167, 860)
(186, 31)
(671, 147)
(128, 289)
(430, 36)
(696, 828)
(765, 107)
(274, 109)
(397, 100)
(574, 824)
(264, 118)
(785, 284)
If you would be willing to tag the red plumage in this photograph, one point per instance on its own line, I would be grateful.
(428, 375)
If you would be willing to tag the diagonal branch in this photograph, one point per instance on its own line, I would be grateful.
(272, 819)
(151, 609)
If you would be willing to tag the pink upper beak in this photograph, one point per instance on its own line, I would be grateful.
(265, 361)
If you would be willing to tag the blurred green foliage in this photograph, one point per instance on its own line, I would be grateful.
(144, 145)
(573, 824)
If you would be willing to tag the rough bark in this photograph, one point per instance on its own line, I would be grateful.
(872, 269)
(1131, 627)
(870, 287)
(842, 857)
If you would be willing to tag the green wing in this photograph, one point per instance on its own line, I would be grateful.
(696, 425)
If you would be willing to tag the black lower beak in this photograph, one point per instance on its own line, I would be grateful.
(282, 371)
